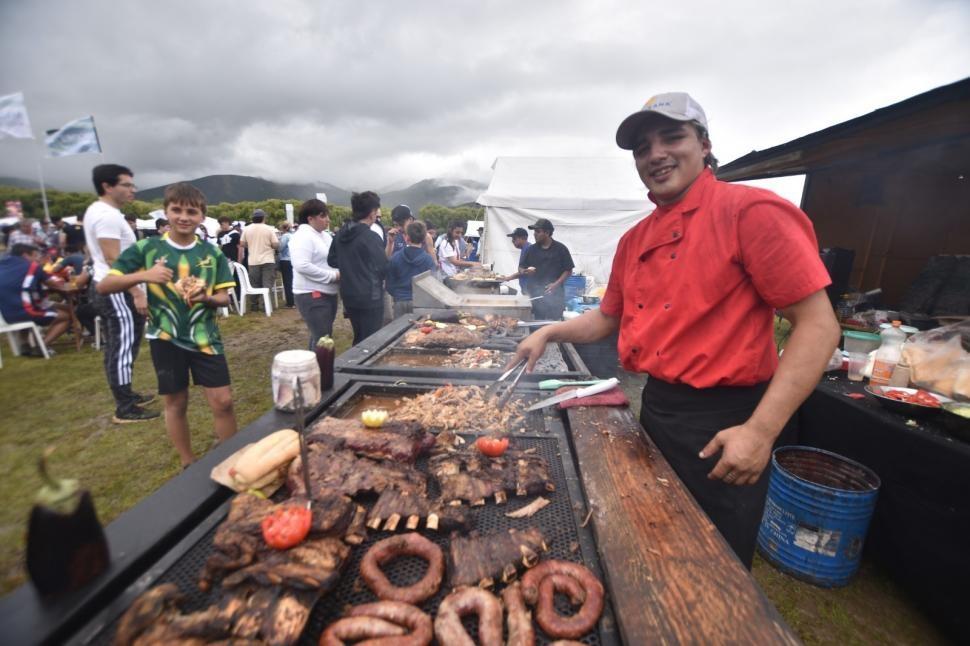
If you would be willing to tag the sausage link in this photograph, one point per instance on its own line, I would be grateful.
(465, 601)
(353, 629)
(417, 623)
(574, 626)
(531, 579)
(412, 544)
(519, 618)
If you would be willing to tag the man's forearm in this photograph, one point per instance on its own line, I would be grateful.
(592, 326)
(808, 350)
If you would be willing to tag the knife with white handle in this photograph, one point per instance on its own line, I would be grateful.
(595, 389)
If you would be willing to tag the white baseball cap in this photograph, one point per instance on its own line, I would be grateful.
(673, 105)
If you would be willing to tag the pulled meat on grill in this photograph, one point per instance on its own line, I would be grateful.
(401, 441)
(478, 358)
(466, 474)
(462, 408)
(241, 554)
(483, 560)
(341, 471)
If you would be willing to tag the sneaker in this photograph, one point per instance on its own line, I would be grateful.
(142, 399)
(134, 414)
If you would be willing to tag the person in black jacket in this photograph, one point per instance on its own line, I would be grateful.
(358, 253)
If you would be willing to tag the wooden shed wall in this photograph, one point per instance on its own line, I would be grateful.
(895, 212)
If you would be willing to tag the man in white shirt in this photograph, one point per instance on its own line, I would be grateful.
(260, 241)
(107, 234)
(315, 282)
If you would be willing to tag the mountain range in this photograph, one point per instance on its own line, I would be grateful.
(242, 188)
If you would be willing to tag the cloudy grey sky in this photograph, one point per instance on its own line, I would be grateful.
(366, 95)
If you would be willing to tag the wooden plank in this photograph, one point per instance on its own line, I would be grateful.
(672, 578)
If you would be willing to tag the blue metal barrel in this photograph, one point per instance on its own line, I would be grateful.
(816, 515)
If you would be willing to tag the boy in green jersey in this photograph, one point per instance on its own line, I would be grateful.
(187, 279)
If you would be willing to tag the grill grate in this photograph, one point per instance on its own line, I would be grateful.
(557, 522)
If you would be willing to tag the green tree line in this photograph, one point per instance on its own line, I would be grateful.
(65, 203)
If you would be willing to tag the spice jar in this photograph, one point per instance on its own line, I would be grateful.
(287, 367)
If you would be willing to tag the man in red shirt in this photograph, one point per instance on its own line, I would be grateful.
(693, 291)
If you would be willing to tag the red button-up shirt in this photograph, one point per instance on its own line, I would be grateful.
(695, 284)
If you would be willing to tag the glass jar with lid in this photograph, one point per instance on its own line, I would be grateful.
(289, 365)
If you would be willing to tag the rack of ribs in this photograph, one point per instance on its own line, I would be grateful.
(401, 441)
(240, 553)
(394, 505)
(468, 475)
(483, 560)
(244, 614)
(342, 472)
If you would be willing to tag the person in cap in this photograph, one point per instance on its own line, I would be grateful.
(693, 292)
(260, 244)
(520, 240)
(547, 264)
(397, 240)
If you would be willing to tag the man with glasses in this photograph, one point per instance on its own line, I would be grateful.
(107, 235)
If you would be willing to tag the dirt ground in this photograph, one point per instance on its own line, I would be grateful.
(64, 402)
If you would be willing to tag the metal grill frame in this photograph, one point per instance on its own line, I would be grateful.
(359, 360)
(543, 427)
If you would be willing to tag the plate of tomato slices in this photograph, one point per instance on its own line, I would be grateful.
(914, 402)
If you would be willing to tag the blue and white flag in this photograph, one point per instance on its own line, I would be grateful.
(13, 117)
(74, 138)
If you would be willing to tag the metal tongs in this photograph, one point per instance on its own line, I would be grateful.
(304, 454)
(502, 381)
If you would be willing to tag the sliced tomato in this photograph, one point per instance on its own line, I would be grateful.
(286, 527)
(493, 447)
(426, 330)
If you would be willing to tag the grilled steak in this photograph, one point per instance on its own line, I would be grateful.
(261, 615)
(466, 474)
(393, 506)
(450, 336)
(239, 540)
(401, 441)
(340, 471)
(483, 560)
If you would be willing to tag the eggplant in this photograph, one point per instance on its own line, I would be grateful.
(66, 545)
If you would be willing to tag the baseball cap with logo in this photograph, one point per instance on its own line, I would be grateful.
(401, 213)
(518, 233)
(544, 224)
(679, 106)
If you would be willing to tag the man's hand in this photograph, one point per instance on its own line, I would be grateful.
(550, 287)
(159, 273)
(200, 296)
(531, 348)
(140, 299)
(745, 451)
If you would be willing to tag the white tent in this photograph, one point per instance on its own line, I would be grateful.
(591, 202)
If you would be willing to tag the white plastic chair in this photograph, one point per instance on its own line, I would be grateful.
(246, 290)
(97, 332)
(277, 290)
(11, 330)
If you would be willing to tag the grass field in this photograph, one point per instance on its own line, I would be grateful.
(64, 402)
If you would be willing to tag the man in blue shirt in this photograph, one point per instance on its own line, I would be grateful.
(22, 283)
(520, 239)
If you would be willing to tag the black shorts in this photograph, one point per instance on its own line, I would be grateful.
(173, 365)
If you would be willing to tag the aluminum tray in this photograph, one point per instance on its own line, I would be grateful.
(560, 521)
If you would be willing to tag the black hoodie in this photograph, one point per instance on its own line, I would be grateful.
(359, 255)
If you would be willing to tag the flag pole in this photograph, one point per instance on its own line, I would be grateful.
(43, 191)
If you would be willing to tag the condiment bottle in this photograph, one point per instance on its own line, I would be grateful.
(325, 356)
(888, 354)
(66, 546)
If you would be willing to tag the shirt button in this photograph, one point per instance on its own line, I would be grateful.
(640, 305)
(658, 353)
(666, 306)
(676, 234)
(634, 350)
(673, 255)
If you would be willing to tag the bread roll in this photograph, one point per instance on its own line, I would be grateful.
(262, 462)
